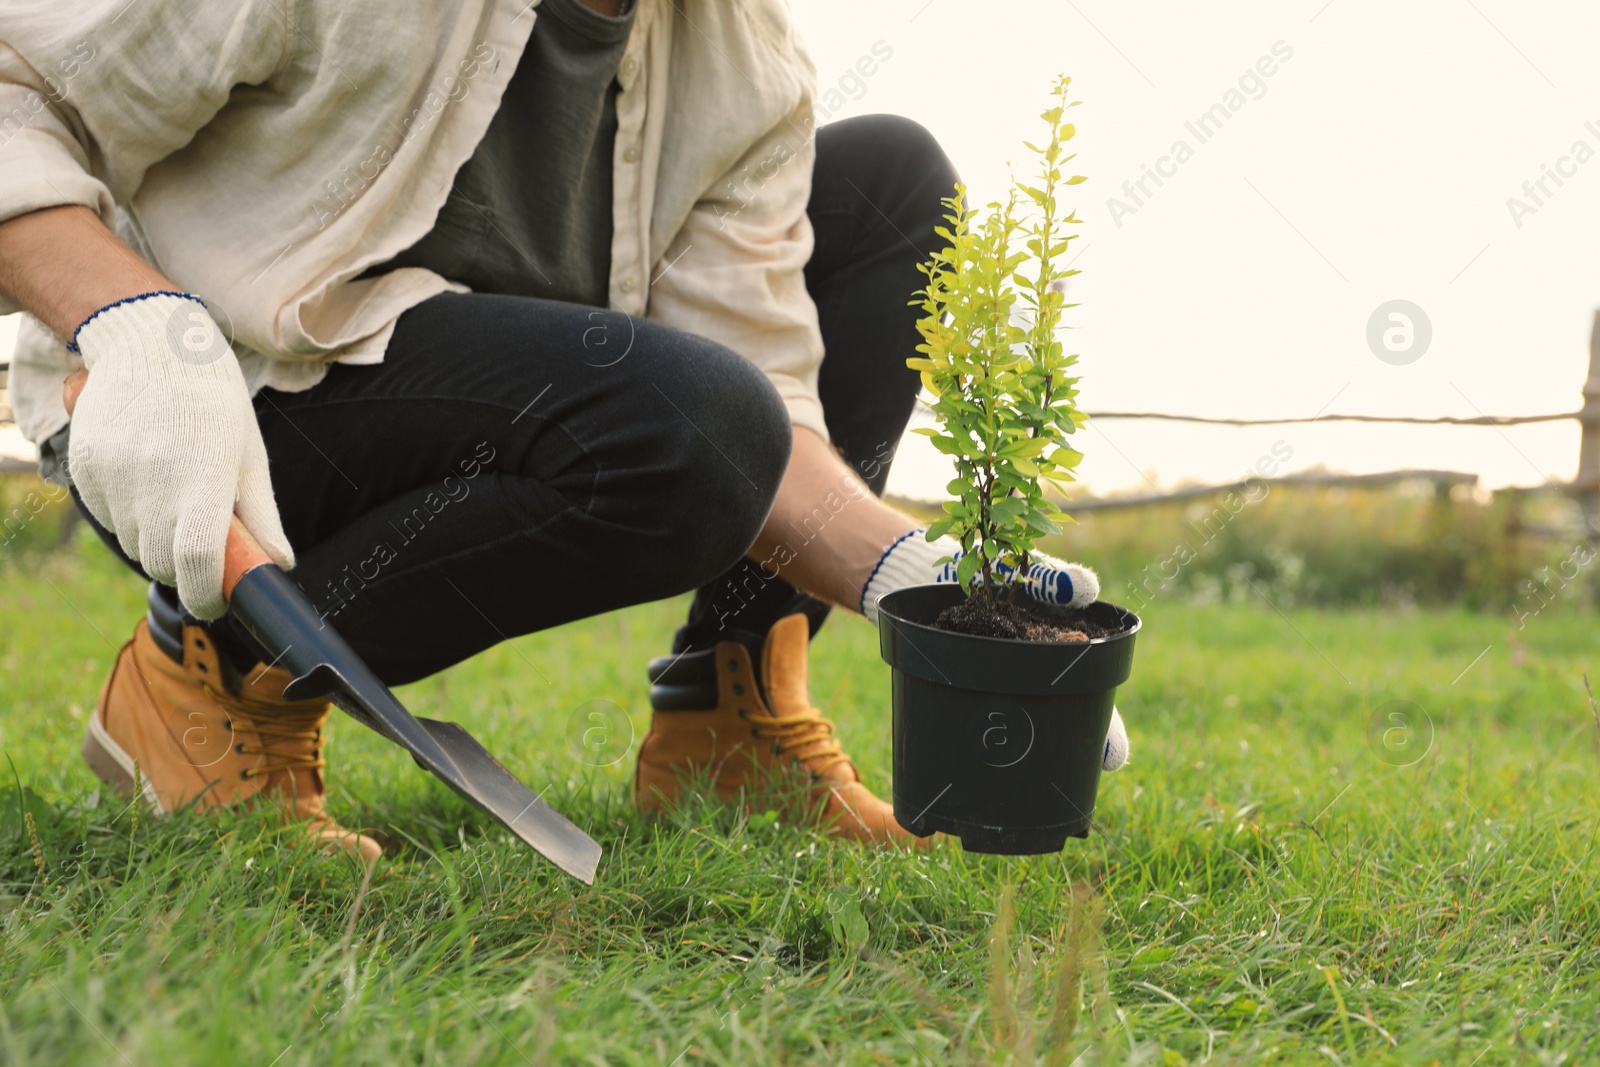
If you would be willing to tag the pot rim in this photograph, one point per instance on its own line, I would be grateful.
(884, 608)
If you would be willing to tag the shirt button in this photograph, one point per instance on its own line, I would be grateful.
(626, 285)
(631, 154)
(630, 67)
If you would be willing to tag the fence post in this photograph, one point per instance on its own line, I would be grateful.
(1589, 443)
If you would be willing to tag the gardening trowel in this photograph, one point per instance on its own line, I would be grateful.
(269, 605)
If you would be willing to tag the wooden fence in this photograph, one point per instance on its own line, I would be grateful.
(1585, 487)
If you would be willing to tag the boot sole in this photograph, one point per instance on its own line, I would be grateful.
(113, 766)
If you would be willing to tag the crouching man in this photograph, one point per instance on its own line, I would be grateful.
(483, 317)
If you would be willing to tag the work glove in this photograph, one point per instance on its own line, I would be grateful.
(914, 560)
(165, 445)
(1051, 580)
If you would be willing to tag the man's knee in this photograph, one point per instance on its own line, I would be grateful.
(733, 438)
(920, 165)
(891, 135)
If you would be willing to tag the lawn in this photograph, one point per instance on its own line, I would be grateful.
(1271, 884)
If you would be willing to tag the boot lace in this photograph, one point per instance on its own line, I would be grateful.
(297, 730)
(792, 733)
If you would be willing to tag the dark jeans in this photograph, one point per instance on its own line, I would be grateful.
(517, 463)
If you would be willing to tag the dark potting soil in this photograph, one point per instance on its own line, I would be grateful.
(1012, 614)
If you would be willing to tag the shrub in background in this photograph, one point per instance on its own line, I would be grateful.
(1398, 546)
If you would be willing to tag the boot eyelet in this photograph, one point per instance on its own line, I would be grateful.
(733, 664)
(203, 668)
(200, 643)
(245, 775)
(239, 748)
(738, 690)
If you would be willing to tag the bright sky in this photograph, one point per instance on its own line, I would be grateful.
(1374, 164)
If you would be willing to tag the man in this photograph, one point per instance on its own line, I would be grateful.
(524, 307)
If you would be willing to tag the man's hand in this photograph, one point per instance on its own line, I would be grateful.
(165, 446)
(163, 434)
(914, 560)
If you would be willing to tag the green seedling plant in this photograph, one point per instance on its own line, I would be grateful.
(992, 361)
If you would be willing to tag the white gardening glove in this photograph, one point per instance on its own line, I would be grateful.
(914, 560)
(165, 446)
(1115, 756)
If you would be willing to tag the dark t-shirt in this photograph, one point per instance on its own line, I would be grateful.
(530, 213)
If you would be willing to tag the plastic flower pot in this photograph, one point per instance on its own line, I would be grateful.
(998, 742)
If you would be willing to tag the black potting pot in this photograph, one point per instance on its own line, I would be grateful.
(998, 742)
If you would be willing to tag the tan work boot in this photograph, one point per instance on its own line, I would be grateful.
(745, 740)
(188, 736)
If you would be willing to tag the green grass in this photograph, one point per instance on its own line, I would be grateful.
(1272, 888)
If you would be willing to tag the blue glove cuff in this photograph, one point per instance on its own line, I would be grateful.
(72, 345)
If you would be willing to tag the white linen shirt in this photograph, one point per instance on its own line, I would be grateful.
(263, 153)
